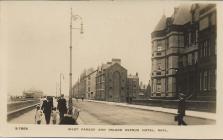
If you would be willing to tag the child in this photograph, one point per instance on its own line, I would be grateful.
(54, 115)
(39, 115)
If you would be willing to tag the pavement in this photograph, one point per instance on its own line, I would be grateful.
(198, 114)
(109, 113)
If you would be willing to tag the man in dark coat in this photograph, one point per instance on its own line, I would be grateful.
(67, 120)
(71, 117)
(47, 108)
(181, 109)
(62, 106)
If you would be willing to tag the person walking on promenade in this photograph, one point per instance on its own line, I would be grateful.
(47, 108)
(54, 115)
(38, 115)
(62, 106)
(182, 108)
(82, 98)
(71, 117)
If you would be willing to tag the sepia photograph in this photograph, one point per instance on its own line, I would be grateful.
(110, 63)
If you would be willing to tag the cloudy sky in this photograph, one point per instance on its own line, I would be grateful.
(35, 37)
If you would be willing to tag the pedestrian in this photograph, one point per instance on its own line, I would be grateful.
(82, 98)
(71, 117)
(62, 106)
(42, 99)
(38, 115)
(54, 115)
(182, 108)
(47, 108)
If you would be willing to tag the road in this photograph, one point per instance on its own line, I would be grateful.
(93, 113)
(97, 113)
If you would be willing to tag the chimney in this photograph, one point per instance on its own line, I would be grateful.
(115, 60)
(175, 11)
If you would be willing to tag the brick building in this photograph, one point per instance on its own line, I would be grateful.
(84, 87)
(184, 53)
(111, 82)
(91, 84)
(132, 87)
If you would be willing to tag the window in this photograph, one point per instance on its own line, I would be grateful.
(193, 58)
(201, 50)
(209, 47)
(205, 80)
(196, 36)
(209, 80)
(158, 85)
(212, 79)
(180, 62)
(158, 73)
(167, 62)
(167, 42)
(186, 60)
(204, 23)
(159, 48)
(201, 79)
(213, 19)
(204, 48)
(158, 64)
(159, 53)
(186, 39)
(193, 37)
(189, 59)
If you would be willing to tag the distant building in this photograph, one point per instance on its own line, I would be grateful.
(91, 84)
(32, 93)
(184, 53)
(111, 82)
(83, 86)
(132, 87)
(142, 92)
(76, 90)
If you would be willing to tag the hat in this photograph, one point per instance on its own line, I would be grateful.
(181, 95)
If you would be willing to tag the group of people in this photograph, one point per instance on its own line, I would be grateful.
(48, 109)
(68, 115)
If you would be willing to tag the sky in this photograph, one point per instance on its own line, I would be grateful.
(35, 38)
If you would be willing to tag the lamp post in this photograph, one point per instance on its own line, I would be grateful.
(56, 89)
(61, 74)
(73, 18)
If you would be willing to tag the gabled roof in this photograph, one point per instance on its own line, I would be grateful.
(183, 15)
(115, 65)
(161, 24)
